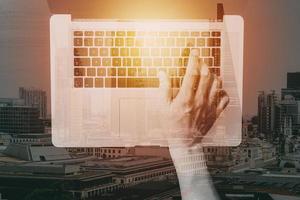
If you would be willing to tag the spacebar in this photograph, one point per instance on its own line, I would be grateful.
(138, 82)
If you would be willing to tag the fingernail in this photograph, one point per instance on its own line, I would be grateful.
(204, 70)
(195, 52)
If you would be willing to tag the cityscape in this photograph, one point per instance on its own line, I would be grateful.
(266, 165)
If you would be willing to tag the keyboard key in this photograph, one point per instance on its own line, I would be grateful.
(215, 70)
(177, 62)
(152, 72)
(110, 82)
(88, 41)
(137, 62)
(137, 82)
(185, 52)
(93, 51)
(126, 62)
(155, 51)
(78, 33)
(110, 33)
(195, 33)
(180, 42)
(140, 33)
(111, 72)
(99, 83)
(175, 52)
(106, 61)
(147, 62)
(205, 52)
(170, 42)
(78, 82)
(121, 71)
(165, 51)
(103, 51)
(88, 82)
(213, 42)
(114, 52)
(101, 72)
(142, 82)
(129, 42)
(80, 51)
(172, 71)
(157, 62)
(167, 62)
(119, 42)
(184, 34)
(78, 42)
(205, 34)
(132, 72)
(175, 82)
(122, 82)
(163, 70)
(139, 42)
(91, 72)
(173, 33)
(153, 82)
(124, 52)
(98, 41)
(185, 61)
(131, 33)
(99, 33)
(217, 60)
(200, 42)
(134, 52)
(120, 33)
(145, 51)
(208, 61)
(181, 71)
(109, 42)
(161, 42)
(96, 61)
(215, 51)
(79, 71)
(116, 61)
(82, 62)
(88, 33)
(142, 71)
(190, 42)
(216, 33)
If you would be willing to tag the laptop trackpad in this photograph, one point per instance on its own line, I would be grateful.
(132, 118)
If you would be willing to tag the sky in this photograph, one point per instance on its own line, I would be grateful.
(271, 48)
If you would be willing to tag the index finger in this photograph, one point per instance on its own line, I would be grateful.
(191, 78)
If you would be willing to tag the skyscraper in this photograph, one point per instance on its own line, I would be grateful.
(290, 101)
(293, 80)
(34, 98)
(268, 109)
(19, 119)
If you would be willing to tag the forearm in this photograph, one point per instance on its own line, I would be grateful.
(193, 176)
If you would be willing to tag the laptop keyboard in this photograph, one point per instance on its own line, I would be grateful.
(133, 59)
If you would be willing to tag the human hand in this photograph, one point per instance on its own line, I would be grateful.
(193, 109)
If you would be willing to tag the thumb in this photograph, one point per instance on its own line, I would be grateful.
(164, 87)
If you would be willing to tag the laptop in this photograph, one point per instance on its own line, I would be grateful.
(104, 76)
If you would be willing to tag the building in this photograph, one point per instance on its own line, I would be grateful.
(268, 115)
(28, 167)
(34, 98)
(133, 170)
(19, 119)
(290, 101)
(290, 111)
(293, 80)
(104, 152)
